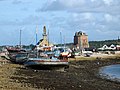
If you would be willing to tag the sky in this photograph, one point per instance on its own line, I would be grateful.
(99, 19)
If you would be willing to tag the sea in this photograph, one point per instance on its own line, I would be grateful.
(111, 72)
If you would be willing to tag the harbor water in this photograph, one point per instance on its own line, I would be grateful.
(111, 72)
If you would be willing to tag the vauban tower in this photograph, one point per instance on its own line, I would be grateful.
(81, 40)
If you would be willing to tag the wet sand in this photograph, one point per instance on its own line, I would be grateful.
(81, 75)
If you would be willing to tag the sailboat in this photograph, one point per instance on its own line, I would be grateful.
(46, 62)
(17, 54)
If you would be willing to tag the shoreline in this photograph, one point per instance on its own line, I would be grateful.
(108, 76)
(81, 75)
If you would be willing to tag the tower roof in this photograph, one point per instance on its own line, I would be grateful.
(44, 30)
(79, 33)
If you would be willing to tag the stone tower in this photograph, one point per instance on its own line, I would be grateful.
(81, 40)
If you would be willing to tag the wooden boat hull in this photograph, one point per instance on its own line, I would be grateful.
(46, 64)
(16, 58)
(15, 50)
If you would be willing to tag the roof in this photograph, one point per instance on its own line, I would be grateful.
(79, 33)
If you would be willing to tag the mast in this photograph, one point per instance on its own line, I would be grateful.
(36, 41)
(36, 34)
(20, 43)
(64, 44)
(48, 37)
(61, 38)
(118, 40)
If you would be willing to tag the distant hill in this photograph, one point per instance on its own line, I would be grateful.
(96, 44)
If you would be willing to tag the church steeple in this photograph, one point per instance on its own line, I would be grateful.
(44, 33)
(44, 29)
(44, 42)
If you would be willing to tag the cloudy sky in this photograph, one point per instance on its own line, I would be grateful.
(100, 19)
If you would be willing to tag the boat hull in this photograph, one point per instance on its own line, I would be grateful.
(19, 58)
(43, 65)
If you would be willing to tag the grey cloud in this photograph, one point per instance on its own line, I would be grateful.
(3, 0)
(30, 20)
(95, 7)
(17, 2)
(54, 6)
(89, 6)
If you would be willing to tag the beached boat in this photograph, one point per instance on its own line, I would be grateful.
(47, 63)
(17, 54)
(19, 57)
(14, 50)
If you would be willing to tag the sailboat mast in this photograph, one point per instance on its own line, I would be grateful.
(36, 41)
(36, 34)
(20, 43)
(64, 42)
(36, 38)
(48, 36)
(61, 38)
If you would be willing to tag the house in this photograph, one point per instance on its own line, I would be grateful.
(105, 47)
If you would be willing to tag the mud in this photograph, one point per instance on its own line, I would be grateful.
(81, 75)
